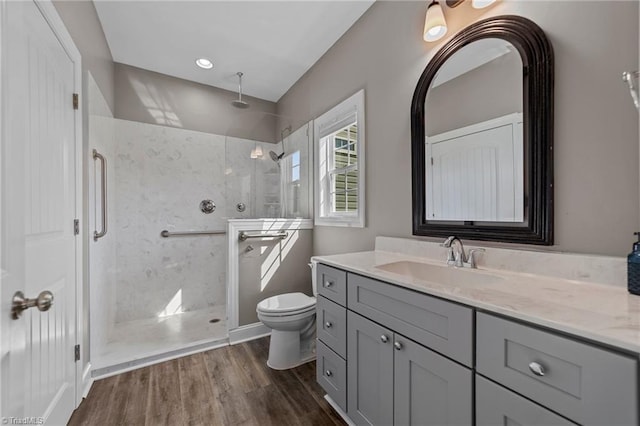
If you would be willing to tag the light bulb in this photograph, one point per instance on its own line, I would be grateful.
(435, 26)
(481, 4)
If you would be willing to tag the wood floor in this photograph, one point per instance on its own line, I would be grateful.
(226, 386)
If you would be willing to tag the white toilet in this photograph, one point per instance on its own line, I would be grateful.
(292, 320)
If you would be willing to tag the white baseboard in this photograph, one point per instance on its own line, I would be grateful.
(87, 380)
(336, 407)
(248, 332)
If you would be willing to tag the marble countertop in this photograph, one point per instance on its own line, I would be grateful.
(597, 312)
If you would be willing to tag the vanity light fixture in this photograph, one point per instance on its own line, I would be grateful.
(204, 63)
(476, 4)
(435, 26)
(481, 4)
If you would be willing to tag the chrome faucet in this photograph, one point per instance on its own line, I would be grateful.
(455, 257)
(458, 258)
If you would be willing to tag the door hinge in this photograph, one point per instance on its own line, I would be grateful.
(76, 351)
(76, 226)
(75, 101)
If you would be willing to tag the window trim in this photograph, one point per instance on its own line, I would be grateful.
(334, 119)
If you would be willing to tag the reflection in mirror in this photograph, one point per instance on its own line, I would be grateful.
(474, 136)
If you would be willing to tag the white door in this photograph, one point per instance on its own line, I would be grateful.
(38, 206)
(475, 173)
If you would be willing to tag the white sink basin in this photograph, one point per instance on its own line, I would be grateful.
(440, 274)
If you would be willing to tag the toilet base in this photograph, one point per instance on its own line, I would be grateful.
(288, 349)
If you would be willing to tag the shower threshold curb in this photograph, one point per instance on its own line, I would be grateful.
(156, 358)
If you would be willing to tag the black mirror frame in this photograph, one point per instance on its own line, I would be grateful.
(538, 82)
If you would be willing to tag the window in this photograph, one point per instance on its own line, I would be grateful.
(339, 147)
(290, 181)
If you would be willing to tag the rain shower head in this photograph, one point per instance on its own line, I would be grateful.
(239, 103)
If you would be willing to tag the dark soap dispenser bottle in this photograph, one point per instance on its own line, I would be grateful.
(633, 267)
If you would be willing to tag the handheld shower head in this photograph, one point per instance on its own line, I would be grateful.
(275, 157)
(239, 103)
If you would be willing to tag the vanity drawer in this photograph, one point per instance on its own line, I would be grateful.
(496, 405)
(442, 326)
(586, 384)
(332, 325)
(331, 373)
(332, 284)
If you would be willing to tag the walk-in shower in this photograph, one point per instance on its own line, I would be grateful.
(158, 278)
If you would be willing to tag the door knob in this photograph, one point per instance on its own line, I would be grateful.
(328, 324)
(398, 346)
(20, 303)
(384, 339)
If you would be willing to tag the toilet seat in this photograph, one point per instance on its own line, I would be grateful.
(286, 304)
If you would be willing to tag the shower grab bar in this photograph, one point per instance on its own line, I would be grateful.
(166, 234)
(103, 188)
(243, 236)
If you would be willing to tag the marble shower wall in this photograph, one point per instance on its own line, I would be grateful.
(162, 174)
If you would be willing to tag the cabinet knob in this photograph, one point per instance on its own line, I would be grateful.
(328, 283)
(328, 373)
(398, 346)
(536, 369)
(328, 324)
(384, 338)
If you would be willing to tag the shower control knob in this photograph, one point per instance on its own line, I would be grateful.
(328, 324)
(207, 206)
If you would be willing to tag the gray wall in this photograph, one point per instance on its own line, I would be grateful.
(492, 90)
(596, 126)
(81, 19)
(154, 98)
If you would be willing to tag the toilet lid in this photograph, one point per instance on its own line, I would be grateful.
(287, 302)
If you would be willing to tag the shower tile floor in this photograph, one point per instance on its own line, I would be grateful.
(132, 340)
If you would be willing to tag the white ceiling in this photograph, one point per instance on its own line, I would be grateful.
(272, 42)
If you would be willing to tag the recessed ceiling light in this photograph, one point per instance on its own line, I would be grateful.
(204, 63)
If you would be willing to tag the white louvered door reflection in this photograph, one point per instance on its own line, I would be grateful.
(475, 173)
(38, 208)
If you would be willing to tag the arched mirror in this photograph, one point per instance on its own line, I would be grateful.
(482, 136)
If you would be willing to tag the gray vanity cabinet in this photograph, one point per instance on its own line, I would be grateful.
(393, 380)
(389, 355)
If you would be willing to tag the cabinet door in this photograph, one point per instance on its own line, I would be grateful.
(369, 372)
(496, 405)
(430, 389)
